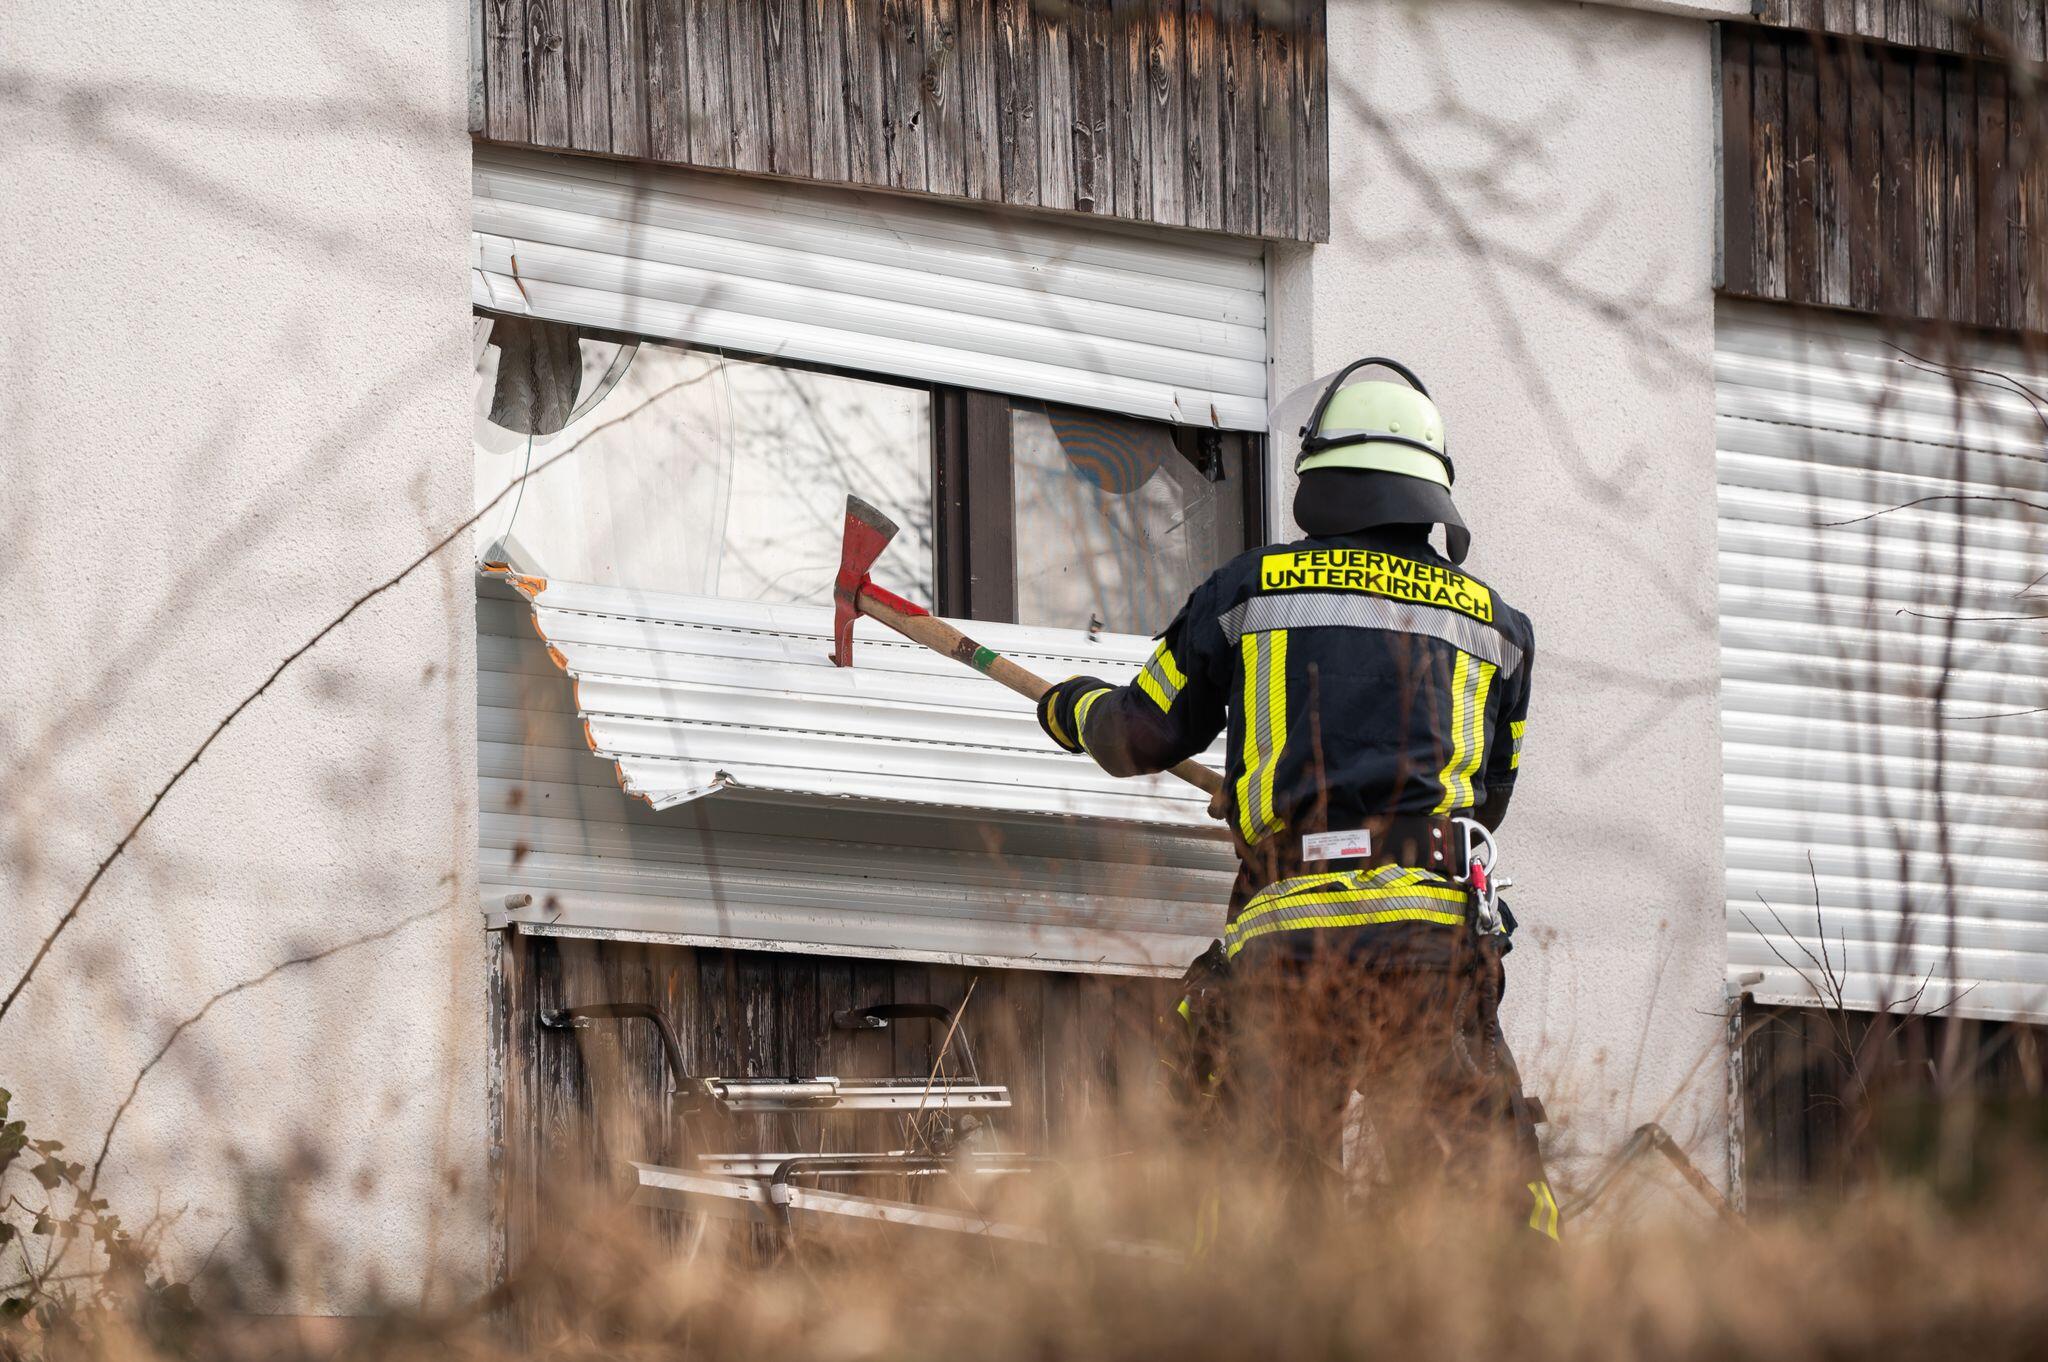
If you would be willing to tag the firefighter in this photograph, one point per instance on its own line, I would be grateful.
(1373, 692)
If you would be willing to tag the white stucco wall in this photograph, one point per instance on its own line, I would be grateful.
(1523, 210)
(234, 338)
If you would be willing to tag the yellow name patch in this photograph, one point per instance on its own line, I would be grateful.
(1378, 574)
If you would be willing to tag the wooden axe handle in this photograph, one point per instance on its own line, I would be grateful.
(941, 637)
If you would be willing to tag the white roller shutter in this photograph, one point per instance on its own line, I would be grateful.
(1121, 319)
(1883, 520)
(807, 834)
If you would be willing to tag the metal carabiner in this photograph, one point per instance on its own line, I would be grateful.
(1481, 875)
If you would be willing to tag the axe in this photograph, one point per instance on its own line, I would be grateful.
(868, 532)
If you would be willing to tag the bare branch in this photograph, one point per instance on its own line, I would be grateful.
(142, 820)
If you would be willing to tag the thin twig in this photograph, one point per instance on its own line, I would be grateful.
(178, 1031)
(932, 1078)
(142, 820)
(1941, 496)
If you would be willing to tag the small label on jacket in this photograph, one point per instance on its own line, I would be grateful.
(1380, 574)
(1333, 846)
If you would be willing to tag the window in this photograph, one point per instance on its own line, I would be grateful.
(1114, 523)
(670, 469)
(696, 473)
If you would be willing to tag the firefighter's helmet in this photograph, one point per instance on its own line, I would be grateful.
(1371, 452)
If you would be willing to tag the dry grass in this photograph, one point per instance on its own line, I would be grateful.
(1890, 1273)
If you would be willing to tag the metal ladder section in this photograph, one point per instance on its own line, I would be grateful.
(945, 1117)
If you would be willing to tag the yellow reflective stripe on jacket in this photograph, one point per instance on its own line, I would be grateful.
(1265, 730)
(1515, 731)
(1087, 703)
(1471, 678)
(1543, 1216)
(1347, 898)
(1162, 677)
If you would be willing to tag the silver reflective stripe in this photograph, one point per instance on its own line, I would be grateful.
(1161, 679)
(1321, 609)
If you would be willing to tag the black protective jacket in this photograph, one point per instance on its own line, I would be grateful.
(1367, 685)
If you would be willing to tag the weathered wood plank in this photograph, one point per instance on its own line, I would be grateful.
(1959, 127)
(1204, 85)
(629, 75)
(2030, 30)
(1834, 133)
(710, 103)
(1803, 150)
(867, 138)
(1273, 54)
(1016, 82)
(1902, 21)
(547, 82)
(586, 72)
(1130, 45)
(1239, 105)
(791, 86)
(1052, 39)
(1313, 178)
(668, 80)
(980, 111)
(2030, 226)
(1898, 213)
(902, 98)
(1767, 158)
(747, 55)
(1994, 28)
(825, 60)
(505, 58)
(1930, 187)
(1858, 204)
(1088, 56)
(1738, 185)
(1937, 25)
(1164, 96)
(939, 91)
(1997, 200)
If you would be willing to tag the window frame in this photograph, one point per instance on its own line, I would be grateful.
(976, 516)
(973, 497)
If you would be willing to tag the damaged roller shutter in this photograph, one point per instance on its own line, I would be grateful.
(694, 770)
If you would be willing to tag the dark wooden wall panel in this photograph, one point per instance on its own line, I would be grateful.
(1831, 1098)
(1079, 1052)
(1188, 113)
(1880, 178)
(2009, 28)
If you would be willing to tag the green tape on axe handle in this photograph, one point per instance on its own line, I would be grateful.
(983, 659)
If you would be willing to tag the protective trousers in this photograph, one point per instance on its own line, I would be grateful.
(1444, 1116)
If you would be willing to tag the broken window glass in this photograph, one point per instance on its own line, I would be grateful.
(1117, 519)
(685, 471)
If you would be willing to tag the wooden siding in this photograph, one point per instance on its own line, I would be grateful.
(1998, 28)
(1187, 113)
(1079, 1052)
(1831, 1097)
(1887, 180)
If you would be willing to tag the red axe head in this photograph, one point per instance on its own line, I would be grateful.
(868, 532)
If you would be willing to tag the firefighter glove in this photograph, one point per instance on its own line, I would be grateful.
(1061, 708)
